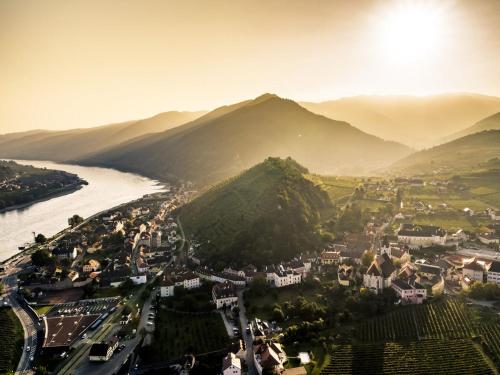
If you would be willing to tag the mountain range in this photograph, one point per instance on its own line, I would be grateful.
(412, 120)
(230, 139)
(78, 143)
(489, 123)
(266, 214)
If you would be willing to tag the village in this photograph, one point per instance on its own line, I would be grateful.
(112, 282)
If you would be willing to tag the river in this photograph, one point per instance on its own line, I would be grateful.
(106, 188)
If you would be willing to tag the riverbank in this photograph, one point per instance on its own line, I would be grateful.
(54, 194)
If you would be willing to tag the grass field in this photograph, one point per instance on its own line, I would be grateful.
(11, 340)
(337, 187)
(425, 357)
(177, 334)
(42, 310)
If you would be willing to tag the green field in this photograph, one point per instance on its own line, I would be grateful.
(11, 340)
(337, 187)
(425, 357)
(177, 334)
(42, 310)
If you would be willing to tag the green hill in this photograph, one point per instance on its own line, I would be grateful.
(479, 150)
(489, 123)
(78, 143)
(266, 214)
(418, 121)
(231, 139)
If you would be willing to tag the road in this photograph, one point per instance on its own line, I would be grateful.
(29, 325)
(248, 337)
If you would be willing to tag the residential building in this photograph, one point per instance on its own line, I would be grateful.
(63, 252)
(493, 275)
(345, 274)
(410, 292)
(91, 266)
(183, 278)
(474, 271)
(330, 257)
(224, 294)
(231, 365)
(266, 359)
(283, 278)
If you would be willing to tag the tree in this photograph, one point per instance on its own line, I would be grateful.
(75, 220)
(42, 258)
(278, 314)
(367, 258)
(40, 239)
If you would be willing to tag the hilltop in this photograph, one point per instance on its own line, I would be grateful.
(266, 214)
(418, 121)
(478, 150)
(231, 139)
(78, 143)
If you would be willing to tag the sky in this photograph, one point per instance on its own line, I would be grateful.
(71, 63)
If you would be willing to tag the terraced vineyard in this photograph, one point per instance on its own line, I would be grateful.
(450, 319)
(11, 340)
(435, 357)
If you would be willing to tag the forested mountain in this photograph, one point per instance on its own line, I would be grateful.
(489, 123)
(464, 154)
(230, 139)
(266, 214)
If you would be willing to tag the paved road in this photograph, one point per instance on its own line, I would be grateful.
(248, 337)
(29, 326)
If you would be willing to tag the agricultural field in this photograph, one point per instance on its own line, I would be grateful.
(449, 319)
(460, 356)
(11, 340)
(337, 187)
(179, 333)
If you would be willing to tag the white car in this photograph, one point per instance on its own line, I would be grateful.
(28, 348)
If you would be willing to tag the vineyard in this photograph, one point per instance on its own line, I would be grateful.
(450, 319)
(11, 340)
(460, 356)
(179, 333)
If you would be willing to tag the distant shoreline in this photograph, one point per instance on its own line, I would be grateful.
(64, 191)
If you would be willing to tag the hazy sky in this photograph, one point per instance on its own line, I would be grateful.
(66, 64)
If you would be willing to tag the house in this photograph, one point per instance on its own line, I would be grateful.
(266, 359)
(330, 257)
(231, 365)
(183, 278)
(91, 266)
(409, 291)
(102, 352)
(489, 238)
(494, 214)
(282, 277)
(474, 271)
(156, 239)
(493, 275)
(63, 252)
(224, 294)
(380, 274)
(345, 274)
(416, 236)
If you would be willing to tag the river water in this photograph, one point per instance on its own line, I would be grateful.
(106, 188)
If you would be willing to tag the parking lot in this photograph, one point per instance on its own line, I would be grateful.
(84, 307)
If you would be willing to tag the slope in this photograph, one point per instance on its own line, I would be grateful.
(77, 143)
(229, 140)
(479, 150)
(489, 123)
(417, 121)
(266, 214)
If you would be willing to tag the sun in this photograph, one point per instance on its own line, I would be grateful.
(410, 32)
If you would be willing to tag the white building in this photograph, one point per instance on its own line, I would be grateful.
(139, 279)
(409, 292)
(231, 365)
(283, 278)
(185, 279)
(473, 271)
(224, 294)
(416, 236)
(156, 239)
(493, 275)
